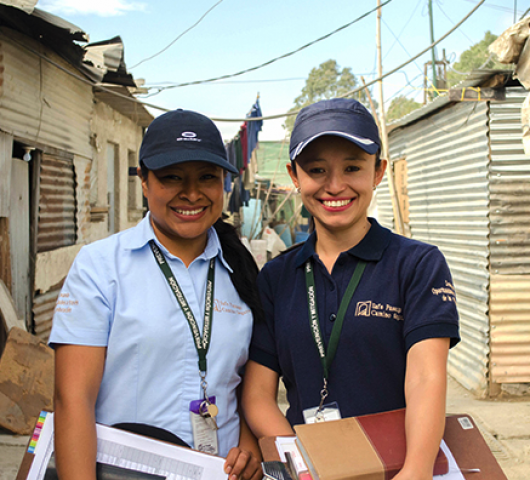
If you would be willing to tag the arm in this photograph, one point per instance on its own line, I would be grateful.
(78, 373)
(259, 402)
(244, 461)
(425, 391)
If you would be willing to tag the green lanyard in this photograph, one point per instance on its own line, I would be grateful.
(326, 358)
(201, 344)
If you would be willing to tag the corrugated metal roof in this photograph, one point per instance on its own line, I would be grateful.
(474, 79)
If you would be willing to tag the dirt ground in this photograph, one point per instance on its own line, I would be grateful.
(504, 423)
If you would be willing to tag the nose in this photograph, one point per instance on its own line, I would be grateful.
(335, 182)
(190, 191)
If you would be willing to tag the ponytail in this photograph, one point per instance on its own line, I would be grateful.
(245, 270)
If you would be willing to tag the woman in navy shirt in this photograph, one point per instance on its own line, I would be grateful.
(358, 320)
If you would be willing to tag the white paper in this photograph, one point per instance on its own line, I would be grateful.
(454, 472)
(127, 450)
(287, 444)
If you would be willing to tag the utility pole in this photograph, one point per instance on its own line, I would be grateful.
(434, 79)
(398, 218)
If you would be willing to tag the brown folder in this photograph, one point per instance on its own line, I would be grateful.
(369, 447)
(463, 439)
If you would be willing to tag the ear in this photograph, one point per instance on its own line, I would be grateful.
(143, 180)
(292, 174)
(380, 172)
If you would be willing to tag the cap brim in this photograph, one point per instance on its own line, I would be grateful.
(364, 143)
(163, 160)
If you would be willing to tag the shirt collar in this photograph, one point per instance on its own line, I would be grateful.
(138, 237)
(370, 248)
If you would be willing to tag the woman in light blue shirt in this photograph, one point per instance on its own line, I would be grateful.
(153, 324)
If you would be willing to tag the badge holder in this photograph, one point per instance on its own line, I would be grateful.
(324, 412)
(203, 424)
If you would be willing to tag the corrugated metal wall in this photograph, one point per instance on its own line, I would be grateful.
(41, 103)
(509, 243)
(447, 156)
(57, 205)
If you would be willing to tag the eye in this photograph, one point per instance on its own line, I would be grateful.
(352, 168)
(316, 170)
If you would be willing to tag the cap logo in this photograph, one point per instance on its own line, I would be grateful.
(188, 137)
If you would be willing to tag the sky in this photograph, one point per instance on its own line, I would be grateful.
(204, 39)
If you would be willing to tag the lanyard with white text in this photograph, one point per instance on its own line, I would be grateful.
(201, 344)
(326, 358)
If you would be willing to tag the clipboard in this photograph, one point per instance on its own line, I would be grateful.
(461, 435)
(121, 455)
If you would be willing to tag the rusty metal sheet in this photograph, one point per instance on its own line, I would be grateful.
(510, 328)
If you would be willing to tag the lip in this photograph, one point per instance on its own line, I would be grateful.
(189, 213)
(340, 204)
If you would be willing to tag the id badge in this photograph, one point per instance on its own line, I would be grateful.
(329, 412)
(204, 428)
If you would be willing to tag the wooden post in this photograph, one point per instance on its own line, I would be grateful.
(398, 220)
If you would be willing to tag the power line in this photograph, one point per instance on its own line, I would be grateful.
(269, 117)
(405, 25)
(223, 77)
(178, 38)
(448, 18)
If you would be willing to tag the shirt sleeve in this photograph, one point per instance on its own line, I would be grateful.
(430, 301)
(263, 345)
(83, 312)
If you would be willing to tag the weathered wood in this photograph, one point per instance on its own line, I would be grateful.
(5, 252)
(26, 381)
(6, 147)
(8, 311)
(19, 237)
(477, 94)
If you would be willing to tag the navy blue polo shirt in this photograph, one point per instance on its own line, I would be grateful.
(405, 296)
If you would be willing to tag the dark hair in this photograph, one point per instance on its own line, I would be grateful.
(245, 270)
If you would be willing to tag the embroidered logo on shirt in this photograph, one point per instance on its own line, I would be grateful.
(446, 293)
(373, 309)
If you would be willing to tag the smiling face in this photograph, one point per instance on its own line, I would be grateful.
(336, 180)
(185, 200)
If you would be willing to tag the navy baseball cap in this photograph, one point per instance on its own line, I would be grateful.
(343, 117)
(183, 136)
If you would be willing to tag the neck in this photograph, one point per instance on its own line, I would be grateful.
(330, 244)
(187, 249)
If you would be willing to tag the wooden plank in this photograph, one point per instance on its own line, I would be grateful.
(8, 311)
(5, 252)
(477, 94)
(6, 147)
(19, 237)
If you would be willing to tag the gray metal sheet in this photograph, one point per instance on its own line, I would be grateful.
(447, 155)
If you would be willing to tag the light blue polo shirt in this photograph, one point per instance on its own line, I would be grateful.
(115, 296)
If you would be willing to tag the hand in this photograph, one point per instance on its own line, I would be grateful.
(241, 464)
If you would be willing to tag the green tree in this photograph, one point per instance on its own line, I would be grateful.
(400, 106)
(474, 57)
(325, 81)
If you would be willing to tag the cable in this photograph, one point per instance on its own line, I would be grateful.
(448, 18)
(403, 29)
(402, 46)
(178, 38)
(196, 82)
(252, 119)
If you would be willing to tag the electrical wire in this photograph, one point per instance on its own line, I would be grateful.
(448, 18)
(269, 117)
(178, 38)
(285, 55)
(405, 25)
(402, 46)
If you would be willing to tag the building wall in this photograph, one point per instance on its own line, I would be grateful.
(509, 213)
(43, 107)
(447, 155)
